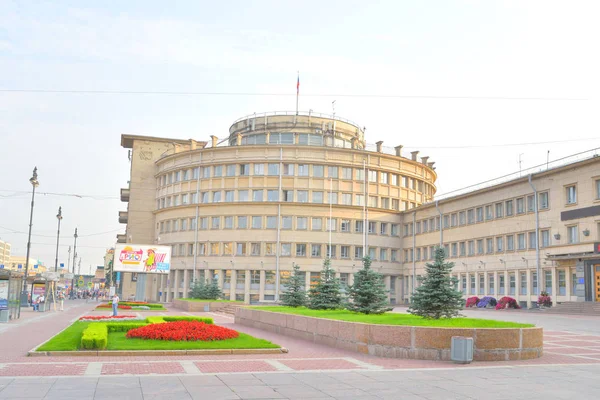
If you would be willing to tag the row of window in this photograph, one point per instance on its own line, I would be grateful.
(301, 170)
(270, 222)
(473, 289)
(571, 192)
(488, 212)
(287, 195)
(286, 250)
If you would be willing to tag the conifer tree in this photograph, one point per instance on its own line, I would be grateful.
(205, 290)
(368, 294)
(437, 297)
(294, 295)
(326, 295)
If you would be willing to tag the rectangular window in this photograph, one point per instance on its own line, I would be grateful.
(481, 284)
(229, 196)
(523, 289)
(545, 242)
(531, 240)
(395, 229)
(562, 282)
(175, 225)
(255, 249)
(489, 213)
(454, 220)
(303, 196)
(176, 200)
(184, 198)
(273, 169)
(383, 254)
(303, 170)
(543, 200)
(571, 192)
(318, 171)
(288, 169)
(473, 283)
(259, 169)
(479, 211)
(491, 283)
(530, 203)
(446, 221)
(394, 179)
(512, 284)
(204, 197)
(462, 249)
(218, 171)
(271, 222)
(471, 216)
(510, 242)
(286, 249)
(300, 250)
(230, 171)
(396, 204)
(385, 203)
(257, 195)
(360, 174)
(195, 173)
(521, 241)
(501, 284)
(194, 198)
(471, 246)
(489, 243)
(193, 224)
(383, 228)
(332, 197)
(205, 172)
(509, 207)
(330, 251)
(499, 210)
(184, 224)
(394, 256)
(216, 197)
(317, 224)
(228, 222)
(359, 200)
(331, 224)
(345, 251)
(373, 201)
(372, 226)
(499, 244)
(462, 218)
(534, 283)
(454, 250)
(242, 222)
(243, 195)
(383, 178)
(572, 236)
(345, 225)
(204, 223)
(332, 172)
(228, 249)
(520, 205)
(286, 222)
(372, 176)
(597, 185)
(214, 249)
(201, 249)
(358, 252)
(548, 280)
(480, 246)
(272, 195)
(269, 249)
(301, 223)
(317, 197)
(315, 250)
(358, 226)
(347, 199)
(216, 222)
(256, 222)
(244, 169)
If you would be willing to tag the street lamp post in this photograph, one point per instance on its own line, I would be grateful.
(74, 255)
(59, 217)
(24, 295)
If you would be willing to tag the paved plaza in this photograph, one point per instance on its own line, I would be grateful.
(571, 358)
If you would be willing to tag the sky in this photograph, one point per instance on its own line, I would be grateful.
(475, 85)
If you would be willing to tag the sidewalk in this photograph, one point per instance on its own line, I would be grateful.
(531, 383)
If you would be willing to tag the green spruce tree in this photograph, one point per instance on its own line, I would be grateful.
(198, 290)
(206, 290)
(368, 294)
(437, 297)
(294, 295)
(326, 294)
(213, 292)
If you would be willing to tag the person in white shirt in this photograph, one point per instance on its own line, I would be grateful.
(115, 304)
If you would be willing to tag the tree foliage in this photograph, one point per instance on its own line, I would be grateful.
(294, 294)
(368, 294)
(437, 297)
(326, 294)
(206, 290)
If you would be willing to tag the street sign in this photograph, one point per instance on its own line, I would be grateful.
(62, 265)
(20, 266)
(1, 266)
(35, 266)
(90, 284)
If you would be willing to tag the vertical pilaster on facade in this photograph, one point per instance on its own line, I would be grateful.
(232, 285)
(209, 276)
(517, 285)
(220, 279)
(529, 288)
(186, 282)
(168, 296)
(486, 284)
(176, 284)
(506, 283)
(496, 285)
(261, 289)
(387, 281)
(569, 283)
(554, 286)
(351, 278)
(307, 281)
(247, 287)
(459, 285)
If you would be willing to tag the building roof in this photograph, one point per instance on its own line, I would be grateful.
(127, 140)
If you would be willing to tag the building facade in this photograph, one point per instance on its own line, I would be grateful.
(4, 253)
(286, 189)
(278, 193)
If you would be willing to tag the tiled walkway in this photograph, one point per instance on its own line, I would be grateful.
(561, 348)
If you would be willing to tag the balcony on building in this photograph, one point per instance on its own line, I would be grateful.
(125, 195)
(122, 217)
(121, 238)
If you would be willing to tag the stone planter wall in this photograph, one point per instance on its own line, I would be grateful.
(197, 306)
(394, 341)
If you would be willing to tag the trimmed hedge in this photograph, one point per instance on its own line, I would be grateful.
(199, 319)
(124, 326)
(95, 337)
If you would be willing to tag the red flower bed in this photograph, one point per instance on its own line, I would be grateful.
(183, 331)
(120, 306)
(100, 317)
(507, 302)
(472, 301)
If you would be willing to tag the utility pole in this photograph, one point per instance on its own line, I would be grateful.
(59, 217)
(74, 256)
(24, 295)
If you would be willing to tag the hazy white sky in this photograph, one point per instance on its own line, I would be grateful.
(547, 50)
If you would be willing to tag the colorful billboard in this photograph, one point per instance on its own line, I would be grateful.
(142, 258)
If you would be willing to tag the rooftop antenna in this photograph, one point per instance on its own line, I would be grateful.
(520, 162)
(547, 159)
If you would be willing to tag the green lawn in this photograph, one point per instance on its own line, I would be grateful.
(118, 341)
(210, 301)
(395, 319)
(70, 340)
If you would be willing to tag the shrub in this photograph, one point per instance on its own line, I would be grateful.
(485, 301)
(183, 331)
(197, 319)
(206, 290)
(94, 337)
(124, 326)
(472, 301)
(507, 302)
(294, 294)
(544, 299)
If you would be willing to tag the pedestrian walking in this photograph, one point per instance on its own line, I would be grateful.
(61, 301)
(115, 304)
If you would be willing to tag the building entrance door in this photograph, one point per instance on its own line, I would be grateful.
(597, 282)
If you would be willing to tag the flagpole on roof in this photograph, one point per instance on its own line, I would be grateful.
(297, 91)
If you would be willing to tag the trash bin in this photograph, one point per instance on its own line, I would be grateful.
(4, 316)
(206, 307)
(461, 349)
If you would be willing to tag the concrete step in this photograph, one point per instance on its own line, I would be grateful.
(579, 308)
